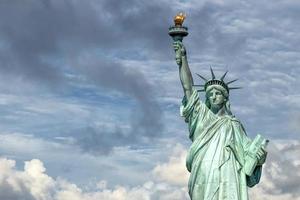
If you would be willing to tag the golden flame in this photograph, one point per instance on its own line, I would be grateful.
(179, 18)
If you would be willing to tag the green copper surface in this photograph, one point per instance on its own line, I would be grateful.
(223, 162)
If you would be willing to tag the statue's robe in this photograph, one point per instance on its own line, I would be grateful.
(217, 154)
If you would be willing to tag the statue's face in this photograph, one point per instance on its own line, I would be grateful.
(216, 98)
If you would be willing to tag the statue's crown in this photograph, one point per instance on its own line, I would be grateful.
(214, 81)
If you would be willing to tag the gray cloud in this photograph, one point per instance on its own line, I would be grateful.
(146, 115)
(8, 192)
(35, 33)
(38, 42)
(43, 34)
(282, 172)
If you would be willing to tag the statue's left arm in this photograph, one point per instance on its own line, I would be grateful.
(243, 148)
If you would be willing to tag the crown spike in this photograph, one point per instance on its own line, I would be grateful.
(234, 88)
(202, 90)
(212, 74)
(231, 81)
(202, 77)
(222, 78)
(199, 85)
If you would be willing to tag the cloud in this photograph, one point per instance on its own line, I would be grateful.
(174, 171)
(47, 41)
(283, 175)
(294, 124)
(146, 116)
(102, 139)
(123, 162)
(98, 123)
(33, 183)
(35, 42)
(221, 34)
(280, 180)
(29, 184)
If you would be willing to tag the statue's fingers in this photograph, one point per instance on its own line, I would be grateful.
(260, 152)
(176, 46)
(176, 43)
(264, 150)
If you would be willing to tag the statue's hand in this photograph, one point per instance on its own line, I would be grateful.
(261, 156)
(179, 51)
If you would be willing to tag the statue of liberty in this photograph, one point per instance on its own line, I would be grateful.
(222, 160)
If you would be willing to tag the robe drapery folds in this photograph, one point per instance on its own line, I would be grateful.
(217, 154)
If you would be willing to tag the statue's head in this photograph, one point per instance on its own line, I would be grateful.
(217, 93)
(216, 96)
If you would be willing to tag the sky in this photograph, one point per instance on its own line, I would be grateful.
(90, 94)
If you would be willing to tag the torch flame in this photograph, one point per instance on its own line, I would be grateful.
(179, 18)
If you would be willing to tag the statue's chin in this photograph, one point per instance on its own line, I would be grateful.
(216, 107)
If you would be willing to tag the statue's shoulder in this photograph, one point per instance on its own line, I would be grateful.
(234, 120)
(236, 123)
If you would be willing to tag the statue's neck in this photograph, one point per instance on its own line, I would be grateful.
(219, 111)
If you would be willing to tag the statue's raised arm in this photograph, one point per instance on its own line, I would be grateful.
(184, 70)
(178, 32)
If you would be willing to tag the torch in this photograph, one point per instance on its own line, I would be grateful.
(177, 32)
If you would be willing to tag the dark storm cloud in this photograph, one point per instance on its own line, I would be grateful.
(98, 140)
(37, 36)
(146, 116)
(34, 32)
(27, 35)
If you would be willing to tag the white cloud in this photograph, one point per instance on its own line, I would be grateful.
(174, 171)
(259, 193)
(33, 183)
(281, 174)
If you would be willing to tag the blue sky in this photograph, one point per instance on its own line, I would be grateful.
(90, 94)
